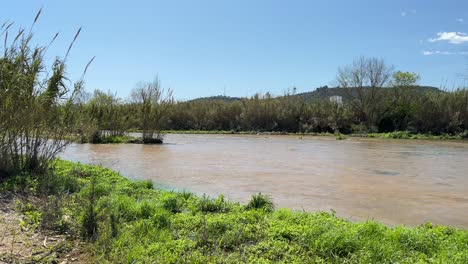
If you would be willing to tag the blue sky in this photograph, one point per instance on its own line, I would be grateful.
(203, 48)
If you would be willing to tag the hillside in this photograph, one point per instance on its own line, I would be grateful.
(325, 92)
(216, 98)
(319, 93)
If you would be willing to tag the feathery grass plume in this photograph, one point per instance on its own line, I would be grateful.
(52, 41)
(73, 42)
(5, 26)
(87, 66)
(35, 20)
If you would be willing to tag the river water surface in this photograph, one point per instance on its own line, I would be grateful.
(397, 182)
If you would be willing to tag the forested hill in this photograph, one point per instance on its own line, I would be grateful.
(325, 92)
(216, 98)
(317, 94)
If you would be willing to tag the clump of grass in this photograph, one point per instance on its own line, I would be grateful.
(90, 221)
(146, 209)
(32, 216)
(161, 218)
(186, 194)
(145, 184)
(172, 204)
(119, 139)
(340, 136)
(208, 205)
(261, 201)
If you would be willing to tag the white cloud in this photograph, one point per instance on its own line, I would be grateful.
(438, 52)
(407, 12)
(461, 20)
(452, 37)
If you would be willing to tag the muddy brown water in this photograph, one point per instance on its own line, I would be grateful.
(394, 181)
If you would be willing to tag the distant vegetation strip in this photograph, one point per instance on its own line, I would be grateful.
(126, 221)
(389, 135)
(112, 139)
(361, 111)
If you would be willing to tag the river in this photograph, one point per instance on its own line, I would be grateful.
(393, 181)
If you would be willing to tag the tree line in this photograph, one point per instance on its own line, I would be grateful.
(376, 99)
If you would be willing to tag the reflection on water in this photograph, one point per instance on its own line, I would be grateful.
(389, 173)
(407, 182)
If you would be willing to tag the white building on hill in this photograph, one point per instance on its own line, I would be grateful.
(337, 99)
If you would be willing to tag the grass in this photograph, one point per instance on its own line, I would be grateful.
(227, 132)
(114, 140)
(125, 139)
(130, 222)
(408, 135)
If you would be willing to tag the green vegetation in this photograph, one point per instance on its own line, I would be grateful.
(338, 136)
(261, 201)
(109, 118)
(36, 104)
(112, 139)
(408, 135)
(391, 103)
(129, 222)
(151, 104)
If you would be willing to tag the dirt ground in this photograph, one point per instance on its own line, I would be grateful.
(20, 245)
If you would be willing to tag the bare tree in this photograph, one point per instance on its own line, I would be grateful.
(365, 78)
(152, 103)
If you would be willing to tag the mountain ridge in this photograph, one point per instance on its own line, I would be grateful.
(323, 92)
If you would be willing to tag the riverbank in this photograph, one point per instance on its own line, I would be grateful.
(389, 135)
(128, 139)
(23, 241)
(124, 221)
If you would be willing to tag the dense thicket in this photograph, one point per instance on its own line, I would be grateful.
(36, 104)
(109, 116)
(395, 108)
(374, 98)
